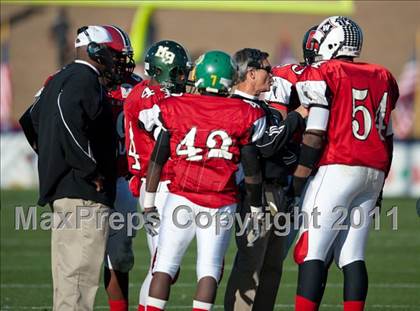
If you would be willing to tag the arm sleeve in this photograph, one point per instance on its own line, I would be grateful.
(252, 171)
(161, 151)
(276, 136)
(73, 127)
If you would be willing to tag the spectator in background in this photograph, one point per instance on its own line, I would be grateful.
(70, 127)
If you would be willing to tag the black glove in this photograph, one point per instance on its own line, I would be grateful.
(151, 221)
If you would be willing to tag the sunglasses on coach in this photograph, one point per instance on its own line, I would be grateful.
(257, 66)
(266, 68)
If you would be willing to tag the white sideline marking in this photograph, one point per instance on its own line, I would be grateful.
(182, 285)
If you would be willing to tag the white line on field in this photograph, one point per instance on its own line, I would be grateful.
(333, 285)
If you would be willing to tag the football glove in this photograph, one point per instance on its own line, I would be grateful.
(151, 221)
(256, 225)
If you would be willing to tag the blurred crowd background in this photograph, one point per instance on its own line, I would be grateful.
(37, 39)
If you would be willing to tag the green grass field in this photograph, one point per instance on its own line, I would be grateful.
(393, 260)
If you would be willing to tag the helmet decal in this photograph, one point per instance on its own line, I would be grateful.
(169, 64)
(166, 55)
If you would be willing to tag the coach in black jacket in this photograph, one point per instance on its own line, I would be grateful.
(257, 269)
(70, 127)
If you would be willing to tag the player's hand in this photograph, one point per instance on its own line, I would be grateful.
(255, 225)
(99, 183)
(378, 204)
(151, 221)
(302, 111)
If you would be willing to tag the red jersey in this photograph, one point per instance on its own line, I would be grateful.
(117, 98)
(359, 98)
(207, 133)
(282, 94)
(138, 141)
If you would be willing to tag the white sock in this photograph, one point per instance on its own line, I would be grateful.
(155, 302)
(202, 305)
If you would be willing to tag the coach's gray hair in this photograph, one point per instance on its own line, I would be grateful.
(248, 58)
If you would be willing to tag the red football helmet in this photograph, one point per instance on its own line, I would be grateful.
(123, 52)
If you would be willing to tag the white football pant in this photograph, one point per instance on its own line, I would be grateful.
(182, 220)
(344, 198)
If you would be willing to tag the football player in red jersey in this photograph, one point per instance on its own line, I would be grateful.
(167, 64)
(119, 257)
(348, 139)
(282, 94)
(206, 136)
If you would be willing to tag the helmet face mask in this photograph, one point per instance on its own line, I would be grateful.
(123, 64)
(215, 72)
(169, 64)
(122, 55)
(338, 36)
(309, 46)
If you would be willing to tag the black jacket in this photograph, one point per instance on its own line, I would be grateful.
(278, 153)
(70, 127)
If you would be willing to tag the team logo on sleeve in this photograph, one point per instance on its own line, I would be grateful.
(166, 55)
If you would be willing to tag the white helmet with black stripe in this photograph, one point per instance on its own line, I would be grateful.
(338, 36)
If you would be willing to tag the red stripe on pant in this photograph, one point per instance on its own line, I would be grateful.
(301, 248)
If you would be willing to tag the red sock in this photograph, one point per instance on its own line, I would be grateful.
(151, 308)
(118, 305)
(141, 308)
(304, 304)
(354, 305)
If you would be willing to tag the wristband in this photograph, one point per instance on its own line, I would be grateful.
(149, 199)
(309, 156)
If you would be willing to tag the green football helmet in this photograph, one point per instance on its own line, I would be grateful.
(214, 72)
(169, 64)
